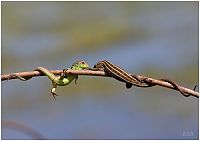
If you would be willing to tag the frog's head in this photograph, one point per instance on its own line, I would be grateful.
(79, 65)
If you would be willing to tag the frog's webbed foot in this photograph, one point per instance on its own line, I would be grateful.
(53, 91)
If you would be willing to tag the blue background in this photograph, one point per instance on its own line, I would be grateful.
(156, 39)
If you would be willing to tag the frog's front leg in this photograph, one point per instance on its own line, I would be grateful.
(76, 78)
(64, 75)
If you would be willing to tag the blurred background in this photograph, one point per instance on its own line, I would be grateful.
(156, 39)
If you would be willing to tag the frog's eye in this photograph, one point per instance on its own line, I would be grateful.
(82, 62)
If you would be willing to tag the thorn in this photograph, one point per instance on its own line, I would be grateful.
(195, 87)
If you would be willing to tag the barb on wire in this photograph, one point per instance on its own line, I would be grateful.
(148, 80)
